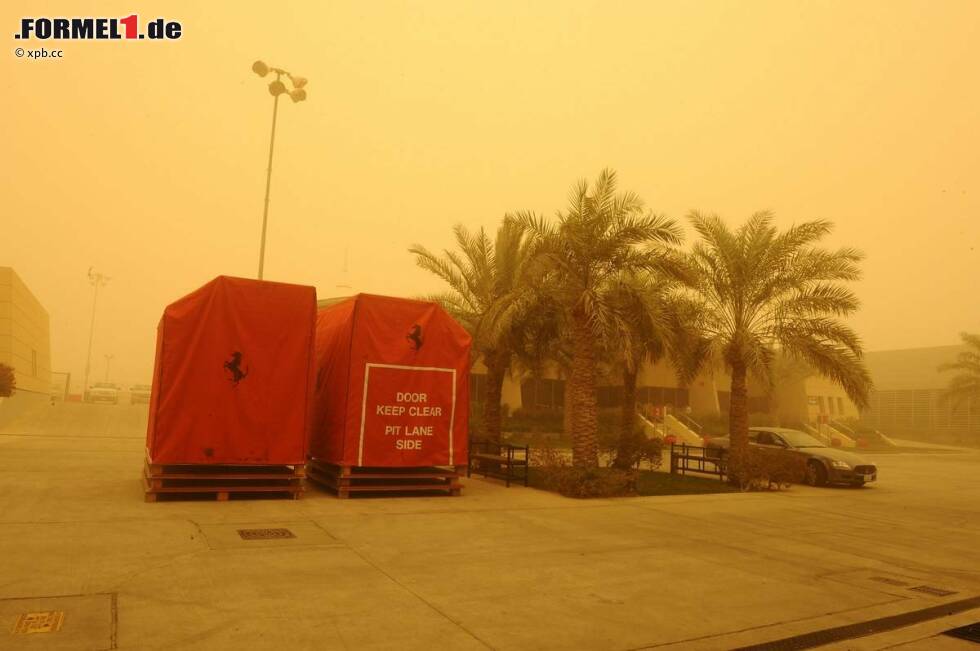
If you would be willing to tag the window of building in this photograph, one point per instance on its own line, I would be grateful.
(659, 396)
(840, 406)
(543, 394)
(609, 397)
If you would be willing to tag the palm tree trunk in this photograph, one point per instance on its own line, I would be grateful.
(738, 422)
(496, 369)
(585, 415)
(568, 408)
(627, 423)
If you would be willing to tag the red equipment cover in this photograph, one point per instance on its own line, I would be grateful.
(392, 386)
(233, 375)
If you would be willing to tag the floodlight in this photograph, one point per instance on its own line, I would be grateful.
(277, 87)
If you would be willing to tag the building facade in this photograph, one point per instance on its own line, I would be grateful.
(790, 401)
(25, 339)
(908, 400)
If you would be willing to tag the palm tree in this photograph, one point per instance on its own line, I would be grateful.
(964, 387)
(485, 277)
(760, 293)
(601, 236)
(652, 321)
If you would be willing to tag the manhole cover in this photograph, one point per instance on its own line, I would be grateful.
(928, 589)
(48, 621)
(265, 534)
(885, 579)
(969, 632)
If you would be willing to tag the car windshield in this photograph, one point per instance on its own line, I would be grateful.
(103, 385)
(800, 439)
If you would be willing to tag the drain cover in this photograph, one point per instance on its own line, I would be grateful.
(48, 621)
(885, 579)
(265, 534)
(936, 592)
(969, 632)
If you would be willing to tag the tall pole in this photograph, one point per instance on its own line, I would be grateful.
(91, 332)
(268, 183)
(97, 280)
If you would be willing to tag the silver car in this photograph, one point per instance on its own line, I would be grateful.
(824, 465)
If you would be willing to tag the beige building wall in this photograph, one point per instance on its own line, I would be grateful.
(791, 400)
(25, 340)
(826, 397)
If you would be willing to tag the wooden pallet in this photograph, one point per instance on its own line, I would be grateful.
(221, 481)
(345, 480)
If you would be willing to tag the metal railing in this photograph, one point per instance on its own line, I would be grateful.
(841, 427)
(499, 460)
(689, 422)
(692, 458)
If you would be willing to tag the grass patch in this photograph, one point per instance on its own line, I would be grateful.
(651, 482)
(648, 482)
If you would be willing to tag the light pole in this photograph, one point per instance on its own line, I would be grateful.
(97, 280)
(297, 94)
(108, 359)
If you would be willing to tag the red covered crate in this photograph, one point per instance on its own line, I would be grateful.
(392, 384)
(233, 375)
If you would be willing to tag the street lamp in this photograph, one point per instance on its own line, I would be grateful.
(298, 94)
(97, 280)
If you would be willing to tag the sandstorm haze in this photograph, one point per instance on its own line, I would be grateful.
(147, 160)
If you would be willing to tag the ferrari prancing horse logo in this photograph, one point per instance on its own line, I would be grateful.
(234, 366)
(415, 337)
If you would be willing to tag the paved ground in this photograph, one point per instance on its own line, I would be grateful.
(497, 568)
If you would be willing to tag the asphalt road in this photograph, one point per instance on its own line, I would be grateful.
(497, 568)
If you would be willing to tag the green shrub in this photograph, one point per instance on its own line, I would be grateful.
(572, 481)
(638, 448)
(547, 456)
(771, 469)
(553, 472)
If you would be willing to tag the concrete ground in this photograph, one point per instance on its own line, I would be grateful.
(497, 568)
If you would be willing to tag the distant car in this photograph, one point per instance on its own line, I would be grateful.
(824, 465)
(139, 394)
(104, 392)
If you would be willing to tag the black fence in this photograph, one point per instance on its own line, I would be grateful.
(692, 458)
(499, 460)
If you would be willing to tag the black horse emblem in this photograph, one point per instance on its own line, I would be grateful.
(234, 366)
(415, 337)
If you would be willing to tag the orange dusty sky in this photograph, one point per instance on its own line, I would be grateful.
(147, 159)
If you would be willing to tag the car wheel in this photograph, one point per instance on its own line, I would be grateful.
(816, 474)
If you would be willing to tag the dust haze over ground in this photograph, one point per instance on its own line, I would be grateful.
(147, 160)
